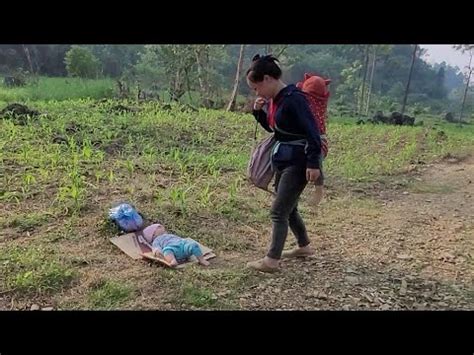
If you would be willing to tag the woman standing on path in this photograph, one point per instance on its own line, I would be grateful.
(296, 157)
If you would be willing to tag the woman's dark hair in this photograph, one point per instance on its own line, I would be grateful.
(261, 66)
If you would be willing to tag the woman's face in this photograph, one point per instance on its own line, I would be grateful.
(264, 88)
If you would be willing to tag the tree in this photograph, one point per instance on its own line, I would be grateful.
(351, 83)
(170, 65)
(49, 58)
(177, 61)
(11, 58)
(453, 77)
(82, 63)
(409, 79)
(439, 90)
(320, 60)
(233, 96)
(116, 59)
(202, 60)
(469, 48)
(28, 57)
(360, 78)
(362, 95)
(208, 59)
(397, 91)
(468, 80)
(381, 50)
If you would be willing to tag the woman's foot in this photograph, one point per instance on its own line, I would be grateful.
(298, 252)
(265, 265)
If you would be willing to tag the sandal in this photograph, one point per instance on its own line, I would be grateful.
(260, 265)
(297, 253)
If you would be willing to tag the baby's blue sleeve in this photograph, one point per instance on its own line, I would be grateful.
(194, 249)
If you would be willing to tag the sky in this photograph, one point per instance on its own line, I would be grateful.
(438, 53)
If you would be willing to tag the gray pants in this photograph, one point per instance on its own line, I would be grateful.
(290, 183)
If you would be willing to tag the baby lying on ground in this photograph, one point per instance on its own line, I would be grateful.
(174, 249)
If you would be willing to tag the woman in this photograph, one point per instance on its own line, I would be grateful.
(296, 157)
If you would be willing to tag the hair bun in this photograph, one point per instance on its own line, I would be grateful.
(270, 58)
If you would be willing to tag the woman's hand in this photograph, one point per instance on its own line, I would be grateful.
(259, 102)
(312, 174)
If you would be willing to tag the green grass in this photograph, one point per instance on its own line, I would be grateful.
(207, 288)
(197, 296)
(109, 294)
(59, 89)
(204, 155)
(32, 271)
(366, 152)
(27, 222)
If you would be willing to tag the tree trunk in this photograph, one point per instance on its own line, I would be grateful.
(201, 77)
(233, 97)
(207, 79)
(197, 54)
(466, 89)
(188, 85)
(27, 53)
(139, 91)
(409, 79)
(34, 55)
(371, 81)
(362, 96)
(178, 86)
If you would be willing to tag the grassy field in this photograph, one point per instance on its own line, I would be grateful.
(58, 89)
(61, 172)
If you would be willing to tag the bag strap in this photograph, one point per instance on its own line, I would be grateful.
(255, 133)
(288, 133)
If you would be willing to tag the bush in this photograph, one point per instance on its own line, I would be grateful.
(82, 63)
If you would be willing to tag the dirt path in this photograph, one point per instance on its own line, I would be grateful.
(408, 248)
